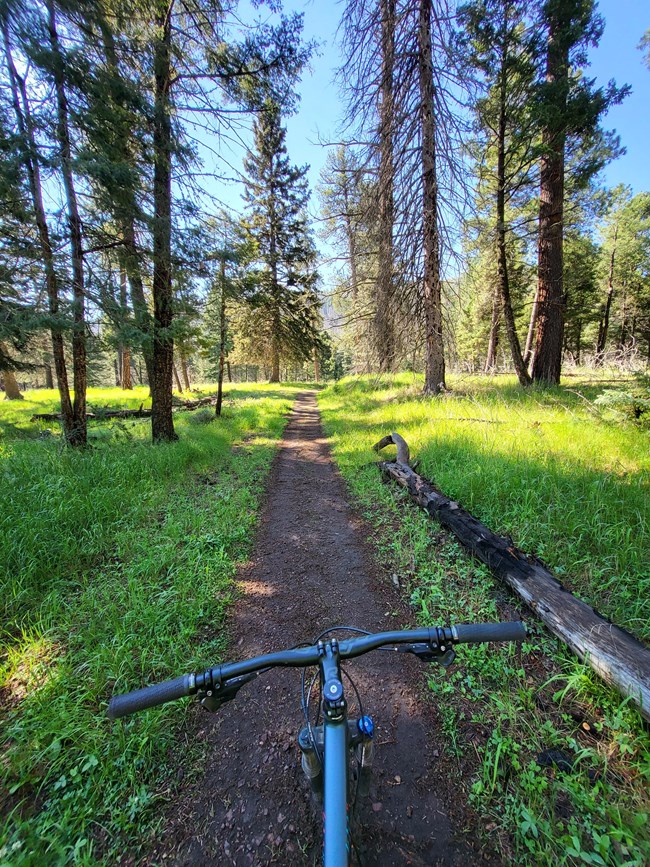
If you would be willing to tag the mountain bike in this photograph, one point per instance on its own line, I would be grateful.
(336, 755)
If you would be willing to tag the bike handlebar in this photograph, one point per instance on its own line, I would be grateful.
(149, 696)
(301, 657)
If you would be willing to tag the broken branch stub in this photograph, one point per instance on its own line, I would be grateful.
(403, 455)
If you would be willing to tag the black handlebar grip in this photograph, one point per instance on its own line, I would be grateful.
(474, 633)
(150, 696)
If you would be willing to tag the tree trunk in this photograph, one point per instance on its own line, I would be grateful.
(434, 359)
(229, 371)
(493, 340)
(162, 420)
(184, 371)
(124, 351)
(22, 110)
(179, 386)
(384, 317)
(79, 435)
(12, 390)
(530, 337)
(502, 260)
(127, 384)
(547, 364)
(49, 381)
(222, 338)
(316, 365)
(603, 327)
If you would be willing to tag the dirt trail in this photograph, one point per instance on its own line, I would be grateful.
(310, 570)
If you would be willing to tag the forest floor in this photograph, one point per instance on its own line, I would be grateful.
(311, 569)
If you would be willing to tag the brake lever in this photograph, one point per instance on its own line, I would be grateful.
(212, 699)
(426, 653)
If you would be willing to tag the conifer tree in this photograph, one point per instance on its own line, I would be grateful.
(567, 107)
(503, 50)
(277, 195)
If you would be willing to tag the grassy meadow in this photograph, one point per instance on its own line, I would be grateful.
(116, 568)
(558, 764)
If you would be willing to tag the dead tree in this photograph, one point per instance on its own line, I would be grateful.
(619, 658)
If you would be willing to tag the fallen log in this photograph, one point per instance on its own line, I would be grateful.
(104, 415)
(617, 656)
(97, 416)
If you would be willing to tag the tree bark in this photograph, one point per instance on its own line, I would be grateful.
(162, 420)
(49, 381)
(222, 338)
(493, 341)
(547, 364)
(603, 327)
(12, 390)
(434, 361)
(384, 316)
(179, 385)
(22, 111)
(316, 365)
(502, 260)
(613, 653)
(78, 436)
(125, 351)
(185, 371)
(530, 337)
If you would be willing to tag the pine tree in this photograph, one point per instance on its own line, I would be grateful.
(277, 194)
(567, 106)
(502, 48)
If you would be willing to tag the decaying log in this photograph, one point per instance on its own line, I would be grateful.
(105, 415)
(97, 416)
(617, 656)
(403, 455)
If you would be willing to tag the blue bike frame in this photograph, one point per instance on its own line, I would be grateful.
(336, 834)
(336, 845)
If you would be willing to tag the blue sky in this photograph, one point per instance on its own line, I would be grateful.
(616, 57)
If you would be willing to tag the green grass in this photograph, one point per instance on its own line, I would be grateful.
(117, 569)
(568, 480)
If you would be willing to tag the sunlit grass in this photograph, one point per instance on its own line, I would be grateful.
(568, 481)
(116, 567)
(542, 466)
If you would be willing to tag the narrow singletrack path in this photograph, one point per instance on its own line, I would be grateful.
(311, 569)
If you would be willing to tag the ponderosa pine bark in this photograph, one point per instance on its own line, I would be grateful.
(21, 106)
(162, 420)
(434, 371)
(78, 435)
(551, 303)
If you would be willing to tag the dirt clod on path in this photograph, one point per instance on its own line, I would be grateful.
(311, 570)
